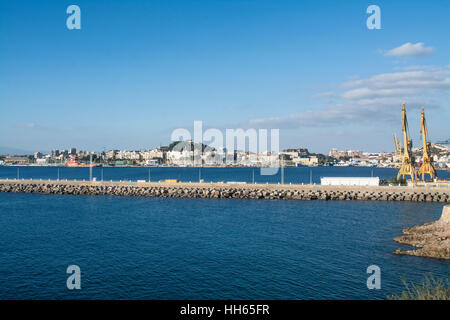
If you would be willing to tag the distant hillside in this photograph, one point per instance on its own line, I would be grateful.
(13, 151)
(189, 146)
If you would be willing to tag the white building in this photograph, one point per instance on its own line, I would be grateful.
(349, 181)
(42, 161)
(151, 162)
(312, 161)
(151, 154)
(128, 155)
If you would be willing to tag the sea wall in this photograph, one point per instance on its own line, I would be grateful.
(221, 190)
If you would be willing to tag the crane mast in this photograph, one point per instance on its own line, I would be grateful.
(426, 167)
(406, 168)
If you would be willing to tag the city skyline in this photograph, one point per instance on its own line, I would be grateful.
(137, 71)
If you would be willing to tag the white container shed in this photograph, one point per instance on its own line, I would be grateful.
(350, 181)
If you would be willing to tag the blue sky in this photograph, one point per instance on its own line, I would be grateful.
(139, 69)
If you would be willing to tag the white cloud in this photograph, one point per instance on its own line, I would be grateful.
(323, 94)
(436, 79)
(28, 125)
(377, 98)
(31, 125)
(409, 49)
(362, 93)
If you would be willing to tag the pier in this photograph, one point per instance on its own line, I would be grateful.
(228, 190)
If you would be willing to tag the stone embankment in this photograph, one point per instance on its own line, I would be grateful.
(432, 239)
(222, 190)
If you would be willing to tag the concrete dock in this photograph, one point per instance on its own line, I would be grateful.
(228, 190)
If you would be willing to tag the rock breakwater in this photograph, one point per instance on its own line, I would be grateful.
(221, 190)
(432, 239)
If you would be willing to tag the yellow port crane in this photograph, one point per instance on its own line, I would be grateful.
(398, 147)
(398, 152)
(406, 168)
(426, 167)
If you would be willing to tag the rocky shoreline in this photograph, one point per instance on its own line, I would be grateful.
(432, 239)
(221, 190)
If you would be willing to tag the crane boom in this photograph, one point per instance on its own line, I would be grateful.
(397, 145)
(426, 167)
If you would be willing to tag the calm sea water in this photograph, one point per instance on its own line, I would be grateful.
(155, 248)
(291, 174)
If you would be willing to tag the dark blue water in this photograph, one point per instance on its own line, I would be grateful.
(155, 248)
(291, 174)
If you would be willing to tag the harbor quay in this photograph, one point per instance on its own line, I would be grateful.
(173, 189)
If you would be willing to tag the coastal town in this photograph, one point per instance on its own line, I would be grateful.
(183, 157)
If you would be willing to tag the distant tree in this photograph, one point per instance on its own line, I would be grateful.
(394, 181)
